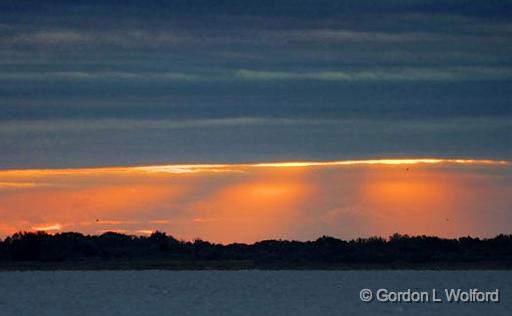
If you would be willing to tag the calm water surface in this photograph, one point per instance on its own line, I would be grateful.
(240, 292)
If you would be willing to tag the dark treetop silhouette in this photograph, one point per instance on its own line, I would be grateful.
(28, 250)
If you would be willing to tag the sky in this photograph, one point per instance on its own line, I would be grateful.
(227, 203)
(102, 84)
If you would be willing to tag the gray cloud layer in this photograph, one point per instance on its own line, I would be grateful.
(231, 71)
(378, 74)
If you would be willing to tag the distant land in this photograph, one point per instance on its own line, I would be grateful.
(114, 251)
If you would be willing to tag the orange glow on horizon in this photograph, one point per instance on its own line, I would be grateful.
(195, 168)
(48, 227)
(412, 201)
(248, 202)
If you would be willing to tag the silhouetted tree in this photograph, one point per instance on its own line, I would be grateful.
(40, 246)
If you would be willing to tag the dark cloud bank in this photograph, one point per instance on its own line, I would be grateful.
(129, 82)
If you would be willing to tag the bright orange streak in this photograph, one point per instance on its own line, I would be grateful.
(380, 162)
(51, 227)
(196, 168)
(144, 231)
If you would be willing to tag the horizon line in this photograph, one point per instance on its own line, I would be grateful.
(219, 167)
(168, 234)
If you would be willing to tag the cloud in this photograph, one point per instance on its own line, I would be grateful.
(49, 37)
(287, 60)
(64, 125)
(134, 124)
(392, 74)
(355, 36)
(128, 37)
(47, 227)
(102, 75)
(17, 185)
(384, 74)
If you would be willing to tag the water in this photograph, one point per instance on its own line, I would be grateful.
(240, 292)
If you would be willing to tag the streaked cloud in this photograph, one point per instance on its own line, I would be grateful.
(47, 227)
(16, 185)
(160, 141)
(154, 82)
(348, 35)
(234, 167)
(126, 38)
(95, 76)
(116, 124)
(392, 74)
(14, 126)
(48, 37)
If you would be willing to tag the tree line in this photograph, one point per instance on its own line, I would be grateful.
(324, 251)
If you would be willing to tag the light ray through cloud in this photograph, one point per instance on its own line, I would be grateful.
(253, 201)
